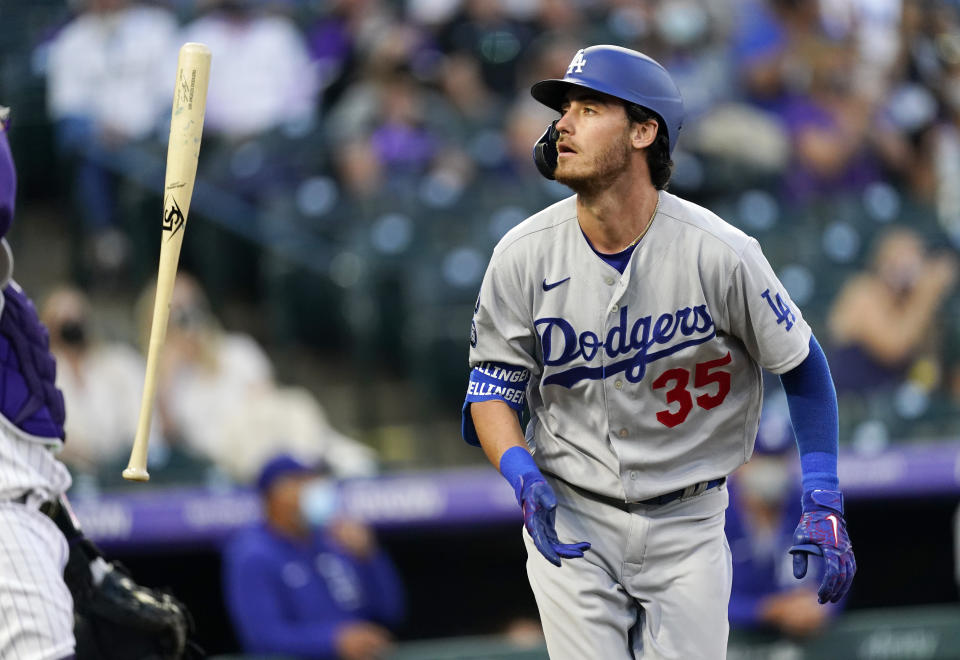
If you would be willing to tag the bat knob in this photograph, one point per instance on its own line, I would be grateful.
(136, 474)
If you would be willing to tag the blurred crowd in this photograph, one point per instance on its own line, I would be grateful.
(360, 159)
(220, 413)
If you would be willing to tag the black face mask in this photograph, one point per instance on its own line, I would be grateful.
(73, 333)
(188, 318)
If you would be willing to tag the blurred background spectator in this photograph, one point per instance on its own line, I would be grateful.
(108, 71)
(217, 398)
(883, 320)
(205, 372)
(361, 158)
(309, 582)
(264, 75)
(101, 381)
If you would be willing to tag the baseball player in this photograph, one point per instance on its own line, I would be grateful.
(36, 609)
(634, 326)
(58, 595)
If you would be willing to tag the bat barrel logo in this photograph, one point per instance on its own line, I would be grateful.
(187, 89)
(173, 219)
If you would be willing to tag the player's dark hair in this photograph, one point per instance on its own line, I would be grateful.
(658, 153)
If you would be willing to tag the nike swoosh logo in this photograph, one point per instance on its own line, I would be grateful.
(833, 519)
(547, 287)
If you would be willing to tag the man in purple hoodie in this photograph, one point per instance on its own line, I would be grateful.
(309, 582)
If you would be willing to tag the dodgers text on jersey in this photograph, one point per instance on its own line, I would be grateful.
(562, 343)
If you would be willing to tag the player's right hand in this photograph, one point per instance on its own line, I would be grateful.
(539, 514)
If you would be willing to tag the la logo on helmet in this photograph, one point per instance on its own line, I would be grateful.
(576, 66)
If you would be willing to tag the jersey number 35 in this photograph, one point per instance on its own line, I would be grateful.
(703, 376)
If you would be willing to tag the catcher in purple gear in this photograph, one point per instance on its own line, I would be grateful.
(36, 608)
(59, 598)
(635, 326)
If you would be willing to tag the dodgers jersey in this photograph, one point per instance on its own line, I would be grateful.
(642, 383)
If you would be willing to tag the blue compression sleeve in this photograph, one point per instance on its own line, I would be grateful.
(517, 467)
(813, 412)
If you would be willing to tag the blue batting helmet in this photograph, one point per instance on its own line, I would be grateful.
(623, 73)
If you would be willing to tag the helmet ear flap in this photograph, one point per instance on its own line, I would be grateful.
(545, 151)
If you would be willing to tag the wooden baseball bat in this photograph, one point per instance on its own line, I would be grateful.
(183, 149)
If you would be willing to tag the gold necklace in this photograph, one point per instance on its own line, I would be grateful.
(637, 239)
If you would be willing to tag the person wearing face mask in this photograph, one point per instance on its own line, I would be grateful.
(101, 381)
(220, 403)
(764, 502)
(882, 322)
(308, 582)
(206, 372)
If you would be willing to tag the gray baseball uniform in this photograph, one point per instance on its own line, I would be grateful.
(639, 385)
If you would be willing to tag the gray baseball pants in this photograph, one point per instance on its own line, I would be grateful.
(655, 583)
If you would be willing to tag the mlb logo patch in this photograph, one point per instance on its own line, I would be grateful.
(579, 61)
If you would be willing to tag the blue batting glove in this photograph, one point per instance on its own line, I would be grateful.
(822, 530)
(539, 505)
(539, 513)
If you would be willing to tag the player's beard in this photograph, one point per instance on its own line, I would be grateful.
(596, 176)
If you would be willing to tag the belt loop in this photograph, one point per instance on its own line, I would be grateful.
(694, 490)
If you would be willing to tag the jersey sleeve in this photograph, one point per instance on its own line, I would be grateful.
(502, 331)
(502, 345)
(762, 315)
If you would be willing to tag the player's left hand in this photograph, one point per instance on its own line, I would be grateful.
(822, 530)
(539, 505)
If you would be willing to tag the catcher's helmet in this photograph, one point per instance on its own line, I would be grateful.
(8, 175)
(623, 73)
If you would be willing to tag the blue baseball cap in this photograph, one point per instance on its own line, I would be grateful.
(285, 465)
